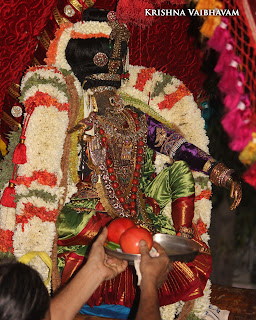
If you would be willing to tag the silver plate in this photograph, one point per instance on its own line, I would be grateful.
(177, 249)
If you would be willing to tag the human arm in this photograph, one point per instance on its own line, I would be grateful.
(154, 272)
(99, 267)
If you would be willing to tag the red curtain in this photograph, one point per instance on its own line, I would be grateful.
(21, 22)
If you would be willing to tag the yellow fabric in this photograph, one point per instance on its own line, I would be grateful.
(3, 147)
(26, 258)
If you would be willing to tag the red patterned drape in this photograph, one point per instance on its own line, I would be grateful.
(166, 46)
(21, 22)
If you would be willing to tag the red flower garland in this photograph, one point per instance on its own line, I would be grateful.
(171, 99)
(42, 98)
(6, 240)
(30, 211)
(143, 76)
(43, 177)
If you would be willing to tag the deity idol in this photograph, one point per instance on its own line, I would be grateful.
(103, 143)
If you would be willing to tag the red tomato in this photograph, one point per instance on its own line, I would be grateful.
(117, 227)
(130, 239)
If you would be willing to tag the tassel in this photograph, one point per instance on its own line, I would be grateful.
(230, 77)
(226, 57)
(244, 130)
(7, 199)
(20, 152)
(235, 123)
(220, 37)
(231, 100)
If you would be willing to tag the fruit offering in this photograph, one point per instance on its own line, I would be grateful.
(124, 232)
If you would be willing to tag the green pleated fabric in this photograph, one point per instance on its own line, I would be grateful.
(171, 183)
(70, 222)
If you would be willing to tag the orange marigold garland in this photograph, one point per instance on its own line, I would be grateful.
(45, 99)
(143, 76)
(201, 227)
(43, 177)
(170, 99)
(204, 194)
(6, 241)
(51, 53)
(30, 211)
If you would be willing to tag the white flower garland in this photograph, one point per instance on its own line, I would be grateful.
(7, 218)
(88, 28)
(45, 137)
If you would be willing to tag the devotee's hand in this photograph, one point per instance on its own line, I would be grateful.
(154, 269)
(235, 193)
(108, 266)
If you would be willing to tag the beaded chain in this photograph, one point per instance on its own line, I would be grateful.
(123, 197)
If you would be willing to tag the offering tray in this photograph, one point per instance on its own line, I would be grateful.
(177, 249)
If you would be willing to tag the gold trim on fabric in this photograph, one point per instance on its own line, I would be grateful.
(103, 199)
(35, 62)
(58, 17)
(13, 93)
(89, 3)
(208, 164)
(14, 125)
(15, 86)
(76, 5)
(45, 39)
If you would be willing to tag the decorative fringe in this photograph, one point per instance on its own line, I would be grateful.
(220, 37)
(20, 153)
(231, 100)
(7, 199)
(226, 56)
(235, 123)
(243, 130)
(230, 77)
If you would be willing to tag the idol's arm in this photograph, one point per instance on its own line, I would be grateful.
(174, 145)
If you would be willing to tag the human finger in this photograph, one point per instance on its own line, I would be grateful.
(117, 263)
(143, 247)
(102, 237)
(159, 248)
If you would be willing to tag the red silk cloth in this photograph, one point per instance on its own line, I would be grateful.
(183, 212)
(185, 281)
